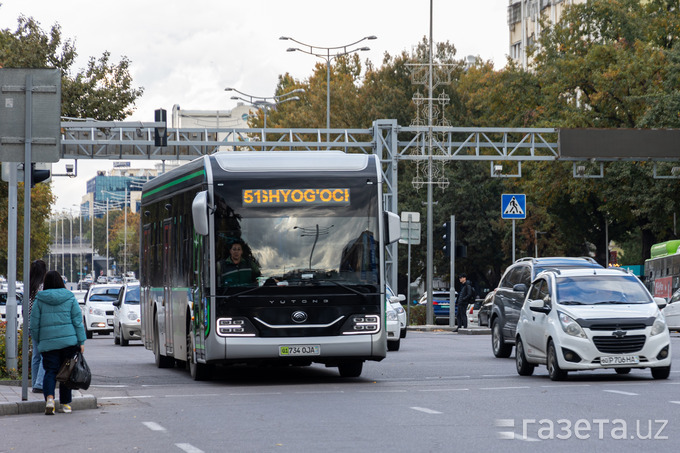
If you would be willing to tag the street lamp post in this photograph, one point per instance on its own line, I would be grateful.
(265, 102)
(536, 233)
(328, 53)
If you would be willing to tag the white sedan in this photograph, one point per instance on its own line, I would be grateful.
(672, 312)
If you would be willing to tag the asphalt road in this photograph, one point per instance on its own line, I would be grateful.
(440, 392)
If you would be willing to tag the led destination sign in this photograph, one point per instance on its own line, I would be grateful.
(295, 197)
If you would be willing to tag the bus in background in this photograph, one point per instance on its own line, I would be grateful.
(662, 270)
(266, 257)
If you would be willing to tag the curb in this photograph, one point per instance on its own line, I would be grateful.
(33, 407)
(436, 328)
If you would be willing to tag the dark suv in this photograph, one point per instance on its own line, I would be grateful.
(509, 296)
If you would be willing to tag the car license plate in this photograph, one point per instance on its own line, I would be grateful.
(294, 350)
(620, 360)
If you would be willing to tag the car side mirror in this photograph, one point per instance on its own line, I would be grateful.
(538, 305)
(520, 288)
(660, 302)
(116, 303)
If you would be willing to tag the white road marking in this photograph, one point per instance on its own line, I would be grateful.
(255, 394)
(438, 378)
(110, 386)
(123, 397)
(565, 385)
(426, 410)
(192, 396)
(622, 393)
(188, 448)
(504, 388)
(675, 402)
(382, 391)
(153, 426)
(321, 392)
(443, 390)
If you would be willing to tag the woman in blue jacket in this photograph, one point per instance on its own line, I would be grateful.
(57, 327)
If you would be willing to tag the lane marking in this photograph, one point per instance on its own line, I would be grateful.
(437, 378)
(619, 392)
(444, 390)
(675, 402)
(426, 410)
(382, 391)
(565, 385)
(255, 394)
(317, 392)
(110, 386)
(188, 448)
(192, 396)
(499, 375)
(153, 426)
(504, 388)
(123, 397)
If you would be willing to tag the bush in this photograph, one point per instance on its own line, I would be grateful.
(417, 316)
(4, 372)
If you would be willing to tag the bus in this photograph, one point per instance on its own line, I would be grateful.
(662, 270)
(266, 257)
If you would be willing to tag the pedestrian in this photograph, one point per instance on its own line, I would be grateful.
(465, 296)
(57, 326)
(36, 276)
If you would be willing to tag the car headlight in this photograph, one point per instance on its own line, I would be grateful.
(399, 309)
(392, 316)
(132, 316)
(570, 326)
(97, 311)
(659, 325)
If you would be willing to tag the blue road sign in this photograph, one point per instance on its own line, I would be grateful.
(513, 206)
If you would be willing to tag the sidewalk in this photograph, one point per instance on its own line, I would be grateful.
(470, 330)
(11, 403)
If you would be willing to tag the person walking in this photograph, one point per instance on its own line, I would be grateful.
(465, 296)
(57, 327)
(36, 276)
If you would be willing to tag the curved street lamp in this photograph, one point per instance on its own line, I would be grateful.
(327, 53)
(265, 102)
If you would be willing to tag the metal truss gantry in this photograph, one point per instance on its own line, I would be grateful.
(389, 141)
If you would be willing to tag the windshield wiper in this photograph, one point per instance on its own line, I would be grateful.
(572, 302)
(614, 302)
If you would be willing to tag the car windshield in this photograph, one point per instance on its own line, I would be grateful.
(104, 294)
(132, 296)
(597, 289)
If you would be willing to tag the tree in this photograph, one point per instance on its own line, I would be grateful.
(103, 91)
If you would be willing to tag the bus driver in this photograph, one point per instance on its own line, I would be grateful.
(237, 270)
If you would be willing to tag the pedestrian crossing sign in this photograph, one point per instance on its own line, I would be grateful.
(513, 206)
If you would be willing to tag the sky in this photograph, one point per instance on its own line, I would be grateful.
(186, 52)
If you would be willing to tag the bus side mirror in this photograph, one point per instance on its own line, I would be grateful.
(393, 227)
(199, 211)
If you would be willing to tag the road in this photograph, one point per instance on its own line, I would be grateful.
(440, 392)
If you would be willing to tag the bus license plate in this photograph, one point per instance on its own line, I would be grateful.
(294, 350)
(620, 360)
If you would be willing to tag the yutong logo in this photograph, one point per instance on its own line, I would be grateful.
(298, 301)
(299, 317)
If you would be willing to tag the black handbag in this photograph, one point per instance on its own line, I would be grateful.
(79, 375)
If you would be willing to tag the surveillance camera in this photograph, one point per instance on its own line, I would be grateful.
(497, 169)
(581, 170)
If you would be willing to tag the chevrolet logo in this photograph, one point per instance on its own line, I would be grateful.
(618, 333)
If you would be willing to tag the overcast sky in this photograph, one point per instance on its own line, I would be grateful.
(186, 52)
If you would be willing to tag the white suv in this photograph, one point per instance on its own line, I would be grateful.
(98, 309)
(588, 319)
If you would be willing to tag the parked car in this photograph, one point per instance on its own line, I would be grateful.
(395, 300)
(672, 312)
(3, 306)
(98, 313)
(590, 319)
(126, 321)
(440, 306)
(509, 296)
(392, 328)
(484, 313)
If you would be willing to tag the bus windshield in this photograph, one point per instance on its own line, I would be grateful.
(296, 245)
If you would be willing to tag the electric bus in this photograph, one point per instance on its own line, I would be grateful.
(266, 257)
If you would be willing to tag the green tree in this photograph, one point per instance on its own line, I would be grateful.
(102, 91)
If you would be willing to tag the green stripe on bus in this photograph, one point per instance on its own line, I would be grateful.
(200, 172)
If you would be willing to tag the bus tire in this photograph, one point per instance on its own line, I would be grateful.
(198, 371)
(162, 361)
(350, 368)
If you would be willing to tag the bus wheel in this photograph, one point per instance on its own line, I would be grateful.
(351, 368)
(198, 371)
(162, 361)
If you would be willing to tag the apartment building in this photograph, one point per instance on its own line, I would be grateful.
(524, 23)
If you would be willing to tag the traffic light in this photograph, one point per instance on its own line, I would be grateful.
(447, 238)
(160, 134)
(38, 176)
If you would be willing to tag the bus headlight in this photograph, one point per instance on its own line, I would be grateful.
(361, 324)
(235, 327)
